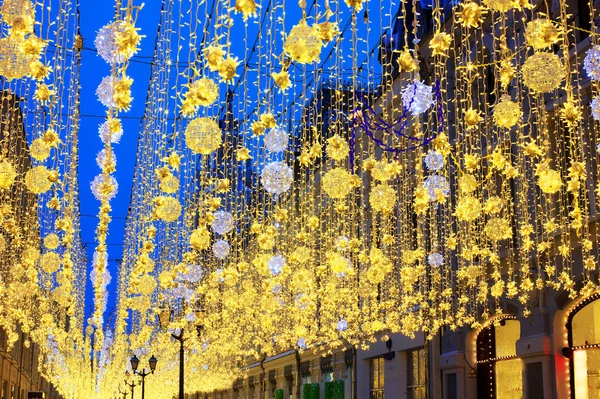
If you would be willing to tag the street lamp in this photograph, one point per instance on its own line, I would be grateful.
(164, 317)
(132, 384)
(135, 362)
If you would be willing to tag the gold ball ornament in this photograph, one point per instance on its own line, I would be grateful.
(227, 69)
(499, 5)
(303, 44)
(338, 183)
(51, 241)
(337, 148)
(169, 184)
(549, 181)
(31, 255)
(37, 180)
(246, 7)
(17, 12)
(200, 239)
(382, 198)
(203, 136)
(543, 72)
(471, 15)
(203, 92)
(39, 150)
(507, 112)
(214, 56)
(147, 284)
(14, 63)
(468, 208)
(498, 229)
(7, 174)
(541, 33)
(50, 262)
(167, 208)
(472, 118)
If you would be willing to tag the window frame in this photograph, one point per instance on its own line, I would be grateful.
(420, 384)
(377, 392)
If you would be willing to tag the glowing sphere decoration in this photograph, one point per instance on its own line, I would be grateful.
(277, 177)
(434, 160)
(169, 184)
(541, 33)
(468, 208)
(276, 264)
(7, 174)
(107, 136)
(498, 229)
(303, 44)
(596, 108)
(436, 185)
(222, 222)
(203, 136)
(507, 112)
(103, 187)
(302, 343)
(337, 183)
(39, 150)
(14, 63)
(102, 158)
(435, 259)
(50, 262)
(221, 249)
(543, 72)
(500, 5)
(342, 325)
(106, 44)
(15, 12)
(37, 180)
(382, 198)
(591, 63)
(105, 91)
(417, 97)
(51, 241)
(194, 273)
(276, 140)
(167, 208)
(549, 181)
(200, 239)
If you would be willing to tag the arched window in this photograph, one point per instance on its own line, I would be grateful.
(584, 340)
(499, 374)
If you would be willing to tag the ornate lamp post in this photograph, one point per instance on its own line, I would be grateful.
(132, 384)
(164, 318)
(134, 365)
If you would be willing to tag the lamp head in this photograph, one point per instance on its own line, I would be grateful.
(152, 362)
(134, 362)
(164, 316)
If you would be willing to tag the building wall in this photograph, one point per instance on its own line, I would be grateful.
(19, 370)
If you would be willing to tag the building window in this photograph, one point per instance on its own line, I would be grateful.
(416, 369)
(376, 378)
(499, 374)
(584, 337)
(4, 389)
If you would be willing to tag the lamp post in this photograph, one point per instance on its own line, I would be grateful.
(134, 365)
(164, 317)
(131, 385)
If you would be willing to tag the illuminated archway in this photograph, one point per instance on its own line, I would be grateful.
(499, 369)
(583, 350)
